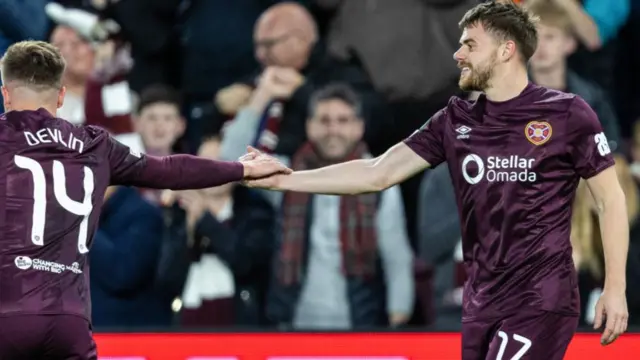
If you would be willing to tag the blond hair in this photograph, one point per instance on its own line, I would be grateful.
(34, 64)
(550, 14)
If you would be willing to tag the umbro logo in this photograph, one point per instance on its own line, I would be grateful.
(463, 132)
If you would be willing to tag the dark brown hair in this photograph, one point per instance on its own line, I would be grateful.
(506, 21)
(159, 93)
(36, 64)
(336, 91)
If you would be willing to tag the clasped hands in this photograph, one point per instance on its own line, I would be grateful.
(262, 170)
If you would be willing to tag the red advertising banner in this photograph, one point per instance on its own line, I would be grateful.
(356, 346)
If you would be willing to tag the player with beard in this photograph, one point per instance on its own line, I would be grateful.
(52, 187)
(515, 156)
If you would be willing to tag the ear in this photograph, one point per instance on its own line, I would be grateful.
(135, 121)
(360, 128)
(182, 125)
(61, 94)
(308, 126)
(571, 44)
(6, 98)
(508, 50)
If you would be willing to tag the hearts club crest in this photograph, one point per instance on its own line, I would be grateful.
(538, 132)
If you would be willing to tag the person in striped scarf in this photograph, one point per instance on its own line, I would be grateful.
(341, 262)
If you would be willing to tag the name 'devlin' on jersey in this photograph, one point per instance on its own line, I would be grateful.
(48, 135)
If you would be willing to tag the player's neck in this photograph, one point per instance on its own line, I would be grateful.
(507, 85)
(29, 106)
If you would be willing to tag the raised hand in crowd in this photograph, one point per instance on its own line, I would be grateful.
(230, 99)
(280, 82)
(275, 83)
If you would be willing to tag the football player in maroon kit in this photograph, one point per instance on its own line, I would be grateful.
(515, 155)
(52, 185)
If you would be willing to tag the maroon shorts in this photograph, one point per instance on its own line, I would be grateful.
(39, 337)
(538, 335)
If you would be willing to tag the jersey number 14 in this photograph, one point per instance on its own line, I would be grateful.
(60, 191)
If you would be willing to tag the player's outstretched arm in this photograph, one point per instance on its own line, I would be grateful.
(352, 177)
(614, 224)
(179, 172)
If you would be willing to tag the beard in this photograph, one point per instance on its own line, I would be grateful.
(478, 78)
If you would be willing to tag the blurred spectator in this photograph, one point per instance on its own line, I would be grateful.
(124, 258)
(158, 119)
(218, 50)
(217, 253)
(271, 108)
(549, 66)
(336, 253)
(158, 124)
(79, 55)
(595, 24)
(108, 100)
(440, 248)
(587, 242)
(97, 68)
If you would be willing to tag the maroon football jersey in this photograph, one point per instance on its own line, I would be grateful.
(515, 166)
(55, 175)
(52, 183)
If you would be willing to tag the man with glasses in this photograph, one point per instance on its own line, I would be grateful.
(272, 106)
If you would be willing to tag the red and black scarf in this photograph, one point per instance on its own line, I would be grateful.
(357, 224)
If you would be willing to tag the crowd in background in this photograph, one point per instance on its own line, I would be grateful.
(314, 82)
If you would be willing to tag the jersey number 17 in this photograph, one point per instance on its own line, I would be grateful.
(60, 191)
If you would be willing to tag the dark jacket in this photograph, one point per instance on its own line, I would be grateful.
(151, 27)
(124, 257)
(367, 298)
(438, 235)
(245, 244)
(599, 102)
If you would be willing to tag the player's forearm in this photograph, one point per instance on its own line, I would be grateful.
(178, 172)
(615, 239)
(352, 177)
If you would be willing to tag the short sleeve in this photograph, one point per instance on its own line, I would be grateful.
(588, 146)
(124, 162)
(428, 141)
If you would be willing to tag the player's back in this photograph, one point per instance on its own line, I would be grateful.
(51, 191)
